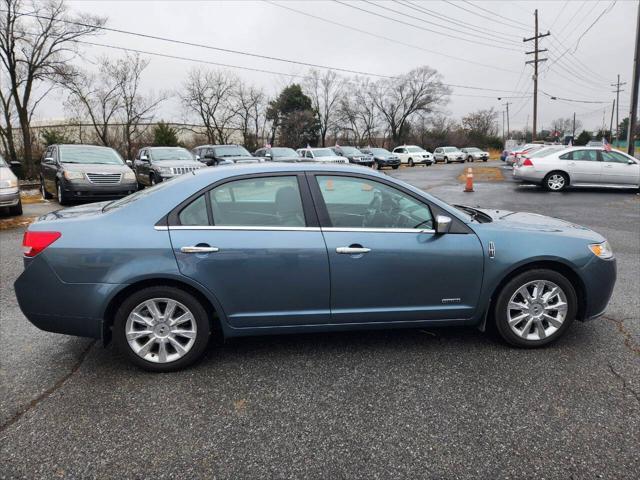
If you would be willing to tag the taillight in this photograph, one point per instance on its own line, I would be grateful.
(35, 242)
(527, 163)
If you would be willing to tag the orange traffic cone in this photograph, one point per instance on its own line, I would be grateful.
(469, 186)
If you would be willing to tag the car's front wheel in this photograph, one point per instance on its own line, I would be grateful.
(161, 329)
(16, 210)
(43, 190)
(556, 181)
(395, 167)
(411, 162)
(535, 308)
(61, 196)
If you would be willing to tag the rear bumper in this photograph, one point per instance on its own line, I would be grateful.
(55, 306)
(9, 198)
(88, 190)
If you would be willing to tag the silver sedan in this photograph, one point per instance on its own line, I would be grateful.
(556, 168)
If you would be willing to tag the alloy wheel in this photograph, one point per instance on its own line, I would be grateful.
(537, 310)
(161, 330)
(59, 192)
(556, 182)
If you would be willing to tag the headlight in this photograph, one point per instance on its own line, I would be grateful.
(129, 175)
(165, 170)
(9, 183)
(73, 175)
(602, 250)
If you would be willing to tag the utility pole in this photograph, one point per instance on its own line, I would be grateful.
(573, 131)
(536, 60)
(633, 114)
(508, 128)
(613, 107)
(503, 137)
(617, 92)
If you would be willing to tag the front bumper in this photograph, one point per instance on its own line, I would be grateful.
(362, 161)
(599, 278)
(56, 306)
(9, 197)
(89, 190)
(385, 162)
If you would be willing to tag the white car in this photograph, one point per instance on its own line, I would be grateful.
(449, 154)
(321, 155)
(474, 154)
(413, 155)
(557, 168)
(9, 190)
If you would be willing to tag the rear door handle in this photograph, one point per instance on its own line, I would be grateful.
(194, 249)
(352, 250)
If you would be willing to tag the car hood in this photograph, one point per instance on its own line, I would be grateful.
(95, 167)
(535, 222)
(241, 159)
(330, 158)
(178, 163)
(6, 173)
(286, 159)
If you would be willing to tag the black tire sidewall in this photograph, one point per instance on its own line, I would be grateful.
(500, 310)
(199, 314)
(546, 179)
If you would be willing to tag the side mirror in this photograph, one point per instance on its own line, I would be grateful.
(48, 160)
(631, 162)
(268, 155)
(129, 163)
(144, 158)
(443, 224)
(198, 157)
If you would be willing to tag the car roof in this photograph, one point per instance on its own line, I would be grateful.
(155, 148)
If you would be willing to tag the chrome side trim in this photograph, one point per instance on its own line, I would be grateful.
(378, 230)
(241, 228)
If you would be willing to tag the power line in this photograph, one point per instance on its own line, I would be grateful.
(418, 26)
(399, 42)
(553, 97)
(491, 18)
(521, 24)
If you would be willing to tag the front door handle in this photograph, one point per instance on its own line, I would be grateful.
(608, 166)
(352, 250)
(196, 249)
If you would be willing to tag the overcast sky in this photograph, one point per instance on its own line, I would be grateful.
(491, 58)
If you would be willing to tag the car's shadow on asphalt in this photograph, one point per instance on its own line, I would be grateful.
(532, 188)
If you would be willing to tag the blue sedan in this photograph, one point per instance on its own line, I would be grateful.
(283, 248)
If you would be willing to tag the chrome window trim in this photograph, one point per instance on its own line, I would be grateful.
(293, 229)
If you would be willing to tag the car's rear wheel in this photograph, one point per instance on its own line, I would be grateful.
(161, 329)
(43, 190)
(556, 181)
(411, 164)
(535, 308)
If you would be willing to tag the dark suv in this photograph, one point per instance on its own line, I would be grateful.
(214, 155)
(278, 154)
(156, 164)
(354, 155)
(84, 171)
(382, 157)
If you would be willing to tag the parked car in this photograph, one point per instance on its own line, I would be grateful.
(513, 155)
(214, 155)
(277, 154)
(78, 172)
(320, 155)
(448, 154)
(283, 248)
(382, 157)
(157, 164)
(9, 189)
(474, 154)
(413, 155)
(579, 167)
(353, 155)
(503, 155)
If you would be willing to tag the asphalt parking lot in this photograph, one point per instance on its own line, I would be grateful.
(446, 403)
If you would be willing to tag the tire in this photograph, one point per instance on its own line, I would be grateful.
(150, 358)
(395, 167)
(535, 330)
(555, 181)
(60, 195)
(43, 190)
(16, 210)
(469, 159)
(446, 160)
(411, 164)
(152, 180)
(375, 166)
(484, 159)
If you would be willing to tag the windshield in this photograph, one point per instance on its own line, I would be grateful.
(380, 151)
(231, 151)
(450, 149)
(472, 149)
(283, 152)
(89, 155)
(415, 149)
(161, 154)
(350, 151)
(323, 152)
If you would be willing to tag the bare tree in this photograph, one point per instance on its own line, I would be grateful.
(209, 94)
(325, 91)
(137, 110)
(6, 124)
(36, 44)
(482, 123)
(398, 99)
(97, 97)
(563, 125)
(250, 114)
(358, 112)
